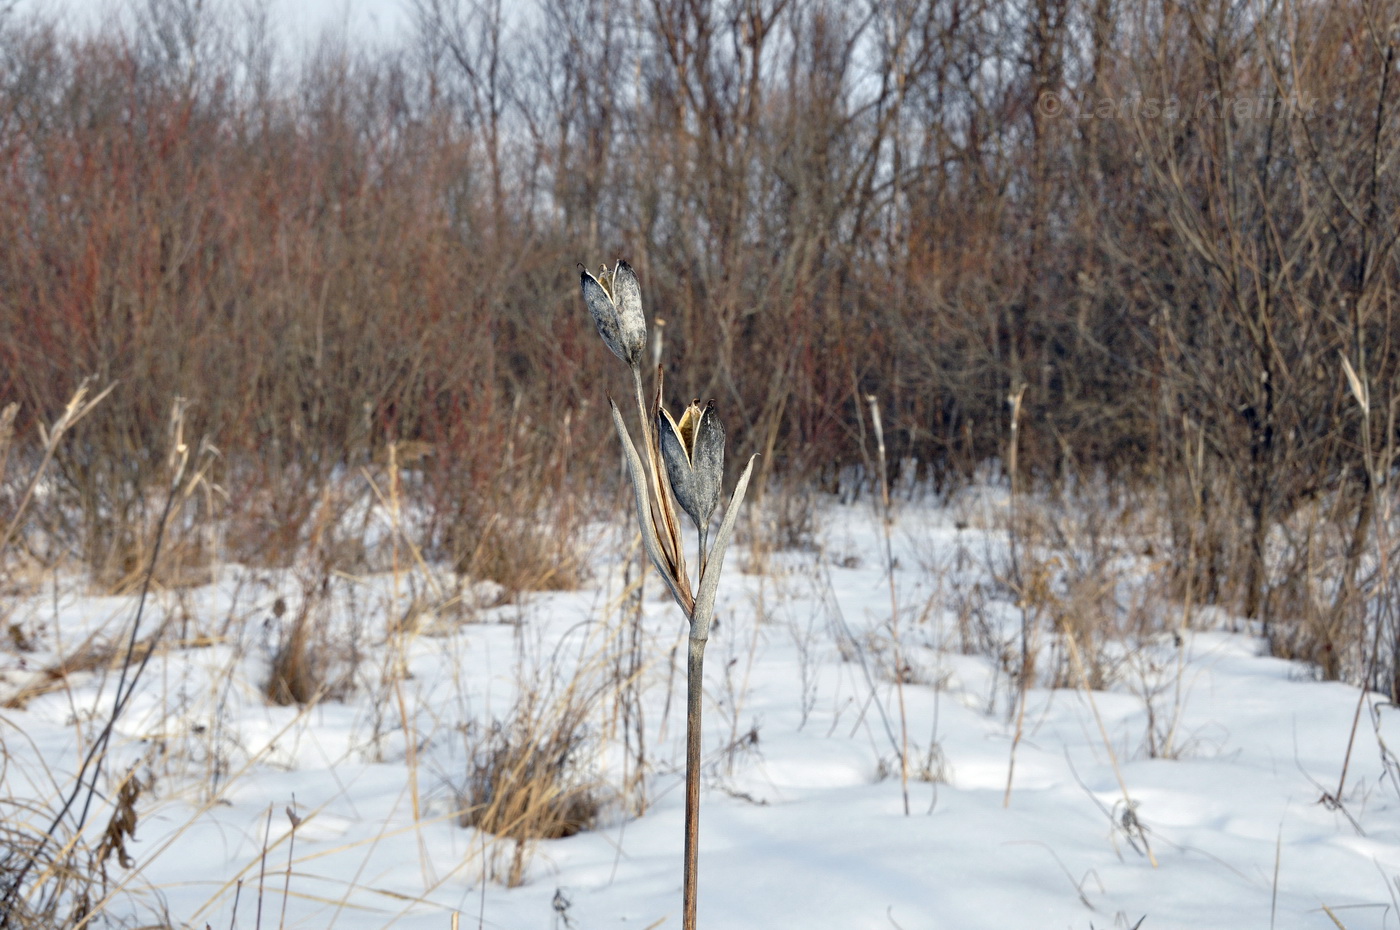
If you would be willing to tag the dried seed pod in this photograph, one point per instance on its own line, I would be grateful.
(693, 451)
(615, 300)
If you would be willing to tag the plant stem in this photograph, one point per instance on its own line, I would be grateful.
(1026, 619)
(694, 683)
(886, 523)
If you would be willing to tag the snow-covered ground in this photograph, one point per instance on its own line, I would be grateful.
(343, 813)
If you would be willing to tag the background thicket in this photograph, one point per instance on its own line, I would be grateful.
(1170, 223)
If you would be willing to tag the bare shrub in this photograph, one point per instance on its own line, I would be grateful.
(537, 552)
(827, 205)
(508, 513)
(788, 514)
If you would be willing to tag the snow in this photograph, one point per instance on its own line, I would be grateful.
(803, 819)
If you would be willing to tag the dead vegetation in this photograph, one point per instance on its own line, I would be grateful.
(528, 781)
(353, 286)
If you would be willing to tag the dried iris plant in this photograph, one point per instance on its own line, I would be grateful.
(685, 461)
